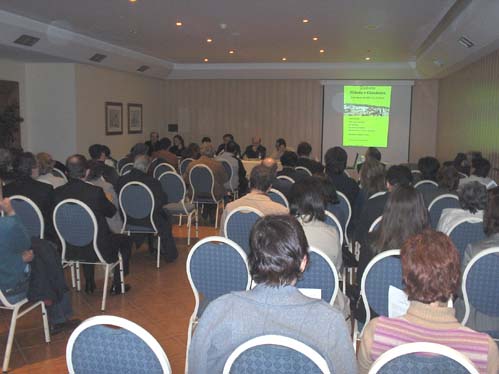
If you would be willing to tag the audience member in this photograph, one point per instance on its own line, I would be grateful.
(278, 257)
(109, 244)
(428, 166)
(192, 151)
(226, 139)
(6, 169)
(480, 173)
(178, 146)
(260, 183)
(160, 216)
(229, 156)
(473, 199)
(97, 153)
(280, 148)
(278, 184)
(45, 168)
(304, 150)
(255, 149)
(109, 161)
(163, 152)
(152, 143)
(206, 139)
(430, 271)
(336, 162)
(372, 153)
(461, 164)
(288, 161)
(448, 181)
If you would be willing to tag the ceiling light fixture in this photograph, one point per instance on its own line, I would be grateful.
(305, 20)
(132, 1)
(322, 50)
(178, 23)
(315, 38)
(368, 58)
(284, 59)
(205, 59)
(231, 52)
(209, 40)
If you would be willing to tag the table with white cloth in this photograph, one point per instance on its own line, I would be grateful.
(250, 164)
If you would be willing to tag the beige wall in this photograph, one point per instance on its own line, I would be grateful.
(469, 110)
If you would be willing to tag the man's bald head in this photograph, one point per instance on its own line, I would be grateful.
(270, 163)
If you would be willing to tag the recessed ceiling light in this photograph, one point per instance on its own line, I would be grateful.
(209, 40)
(315, 38)
(178, 23)
(205, 59)
(322, 50)
(132, 1)
(371, 27)
(368, 58)
(305, 20)
(284, 59)
(231, 52)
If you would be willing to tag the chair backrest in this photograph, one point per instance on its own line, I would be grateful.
(380, 193)
(332, 220)
(302, 170)
(238, 225)
(480, 284)
(320, 274)
(375, 224)
(466, 232)
(407, 358)
(76, 225)
(59, 173)
(113, 345)
(121, 162)
(202, 182)
(136, 201)
(184, 164)
(162, 168)
(275, 354)
(425, 186)
(440, 203)
(216, 266)
(230, 172)
(286, 179)
(278, 197)
(126, 168)
(174, 186)
(383, 271)
(346, 215)
(29, 214)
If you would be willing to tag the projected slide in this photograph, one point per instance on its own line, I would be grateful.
(366, 116)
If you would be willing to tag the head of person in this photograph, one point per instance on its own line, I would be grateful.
(141, 163)
(448, 178)
(206, 139)
(231, 147)
(328, 190)
(154, 136)
(164, 144)
(270, 163)
(374, 153)
(25, 165)
(256, 141)
(430, 267)
(372, 176)
(45, 163)
(5, 163)
(192, 151)
(336, 161)
(280, 145)
(178, 141)
(289, 159)
(491, 213)
(307, 199)
(304, 149)
(481, 167)
(461, 163)
(139, 149)
(227, 138)
(106, 150)
(428, 166)
(207, 150)
(278, 251)
(95, 170)
(96, 152)
(261, 178)
(76, 166)
(472, 196)
(398, 175)
(405, 215)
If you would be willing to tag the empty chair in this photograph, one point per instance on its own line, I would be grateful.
(174, 187)
(113, 345)
(184, 164)
(439, 204)
(126, 168)
(302, 170)
(275, 354)
(278, 197)
(238, 225)
(162, 168)
(30, 215)
(466, 232)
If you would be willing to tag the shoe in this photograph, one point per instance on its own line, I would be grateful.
(71, 324)
(56, 328)
(116, 290)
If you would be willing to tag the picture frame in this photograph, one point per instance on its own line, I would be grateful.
(114, 118)
(135, 125)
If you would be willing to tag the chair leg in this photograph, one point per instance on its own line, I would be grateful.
(216, 216)
(189, 223)
(122, 274)
(45, 319)
(73, 276)
(180, 220)
(10, 340)
(159, 251)
(78, 282)
(197, 222)
(104, 291)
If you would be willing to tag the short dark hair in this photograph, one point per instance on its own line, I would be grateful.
(139, 149)
(304, 149)
(430, 267)
(24, 164)
(206, 139)
(231, 147)
(164, 144)
(230, 136)
(491, 213)
(106, 150)
(76, 166)
(180, 139)
(448, 178)
(428, 166)
(95, 151)
(472, 196)
(399, 175)
(261, 178)
(289, 158)
(307, 199)
(192, 151)
(336, 160)
(373, 152)
(481, 167)
(5, 163)
(277, 248)
(280, 142)
(95, 170)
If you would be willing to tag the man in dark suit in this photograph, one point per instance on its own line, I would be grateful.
(226, 139)
(97, 152)
(109, 244)
(161, 218)
(255, 149)
(304, 150)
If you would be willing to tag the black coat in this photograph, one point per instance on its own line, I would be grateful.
(312, 165)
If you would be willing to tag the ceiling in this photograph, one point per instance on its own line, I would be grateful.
(259, 30)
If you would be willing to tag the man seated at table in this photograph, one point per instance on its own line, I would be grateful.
(226, 139)
(255, 149)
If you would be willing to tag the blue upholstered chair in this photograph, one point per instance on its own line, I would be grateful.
(332, 220)
(466, 232)
(480, 286)
(278, 197)
(76, 225)
(275, 354)
(114, 345)
(59, 173)
(121, 162)
(162, 168)
(342, 211)
(439, 204)
(137, 202)
(238, 225)
(425, 186)
(29, 214)
(174, 187)
(184, 164)
(215, 266)
(320, 274)
(377, 194)
(126, 168)
(230, 172)
(302, 170)
(375, 224)
(407, 358)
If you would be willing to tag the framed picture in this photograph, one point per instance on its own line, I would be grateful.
(114, 118)
(135, 118)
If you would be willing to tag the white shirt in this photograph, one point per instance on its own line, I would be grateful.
(451, 216)
(52, 179)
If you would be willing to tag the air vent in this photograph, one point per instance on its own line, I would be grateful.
(465, 42)
(27, 40)
(143, 68)
(97, 57)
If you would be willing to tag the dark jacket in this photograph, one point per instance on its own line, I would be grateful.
(373, 208)
(260, 152)
(290, 172)
(312, 165)
(345, 185)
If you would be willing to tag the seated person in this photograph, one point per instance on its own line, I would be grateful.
(152, 143)
(229, 155)
(178, 146)
(280, 148)
(226, 139)
(288, 161)
(109, 161)
(255, 149)
(304, 150)
(6, 168)
(45, 168)
(480, 169)
(372, 153)
(336, 163)
(472, 198)
(278, 256)
(428, 166)
(162, 152)
(281, 185)
(448, 181)
(206, 139)
(192, 151)
(260, 181)
(430, 281)
(97, 153)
